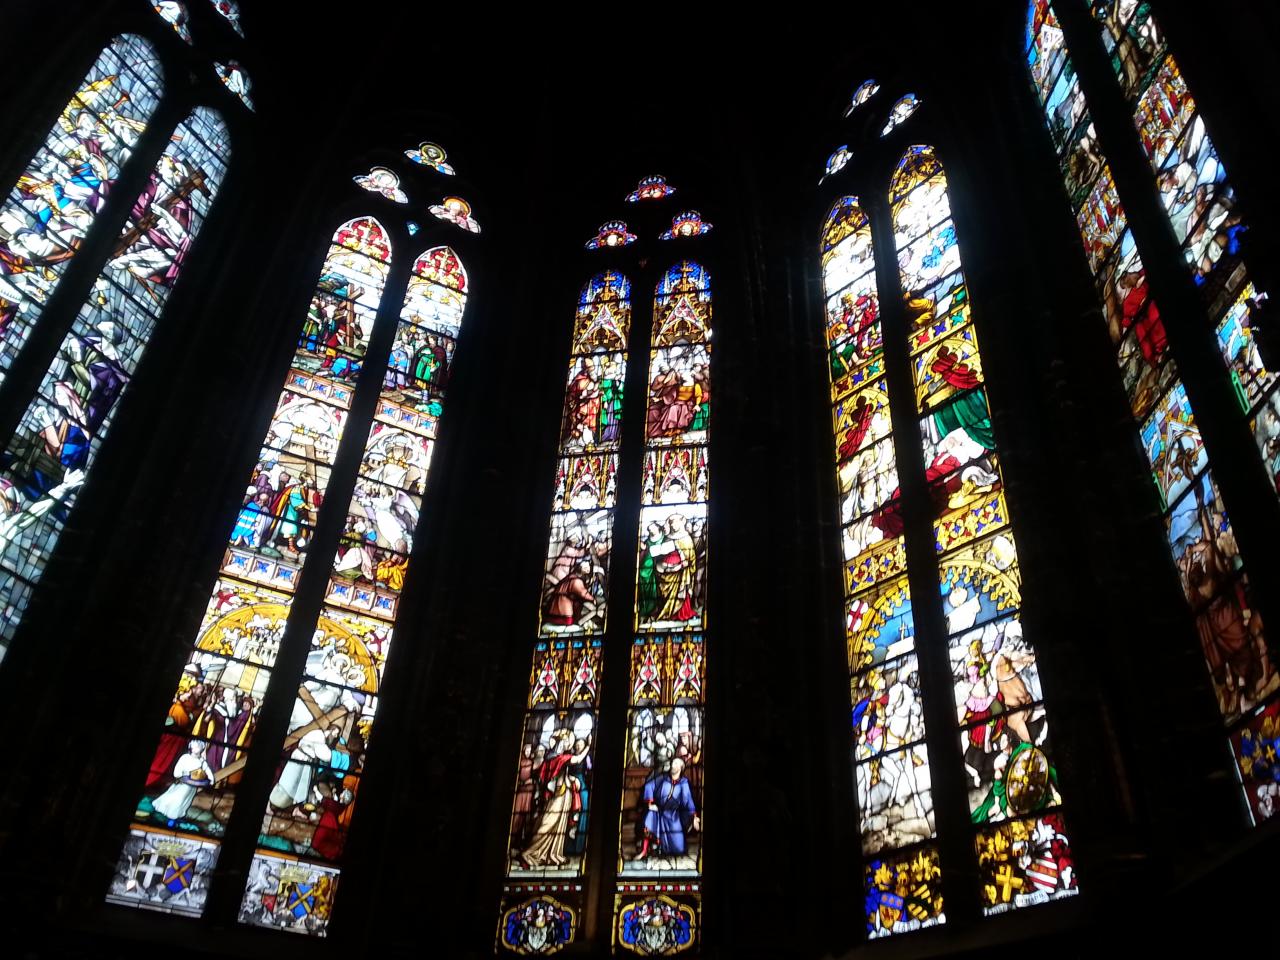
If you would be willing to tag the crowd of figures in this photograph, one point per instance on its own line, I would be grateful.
(552, 806)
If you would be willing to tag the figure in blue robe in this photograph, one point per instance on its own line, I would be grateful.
(669, 812)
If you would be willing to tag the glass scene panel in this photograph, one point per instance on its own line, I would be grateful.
(247, 614)
(552, 805)
(311, 804)
(1003, 727)
(59, 435)
(56, 200)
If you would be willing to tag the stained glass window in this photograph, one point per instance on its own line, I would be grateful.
(187, 798)
(430, 155)
(657, 903)
(61, 433)
(174, 14)
(382, 181)
(236, 80)
(299, 852)
(839, 158)
(1199, 202)
(230, 10)
(866, 90)
(1003, 727)
(553, 803)
(651, 188)
(457, 211)
(904, 108)
(688, 223)
(50, 210)
(611, 234)
(891, 758)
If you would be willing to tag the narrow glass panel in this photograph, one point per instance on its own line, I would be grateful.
(247, 614)
(50, 455)
(56, 200)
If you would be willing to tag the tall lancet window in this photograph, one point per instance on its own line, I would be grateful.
(890, 757)
(293, 648)
(650, 901)
(947, 626)
(58, 196)
(1020, 841)
(332, 720)
(552, 810)
(660, 839)
(66, 362)
(47, 460)
(190, 791)
(1200, 205)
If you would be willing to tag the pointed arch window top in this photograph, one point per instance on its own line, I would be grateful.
(430, 155)
(365, 235)
(918, 164)
(175, 15)
(682, 312)
(383, 181)
(604, 314)
(686, 224)
(441, 265)
(845, 219)
(236, 80)
(903, 109)
(651, 188)
(230, 11)
(611, 234)
(838, 160)
(437, 292)
(457, 211)
(865, 91)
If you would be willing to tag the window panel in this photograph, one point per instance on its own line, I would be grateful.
(249, 605)
(1200, 204)
(50, 454)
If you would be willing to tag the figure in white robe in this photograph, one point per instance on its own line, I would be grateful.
(190, 773)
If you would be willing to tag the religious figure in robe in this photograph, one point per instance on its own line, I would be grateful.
(190, 774)
(670, 813)
(582, 407)
(610, 428)
(673, 403)
(558, 799)
(675, 567)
